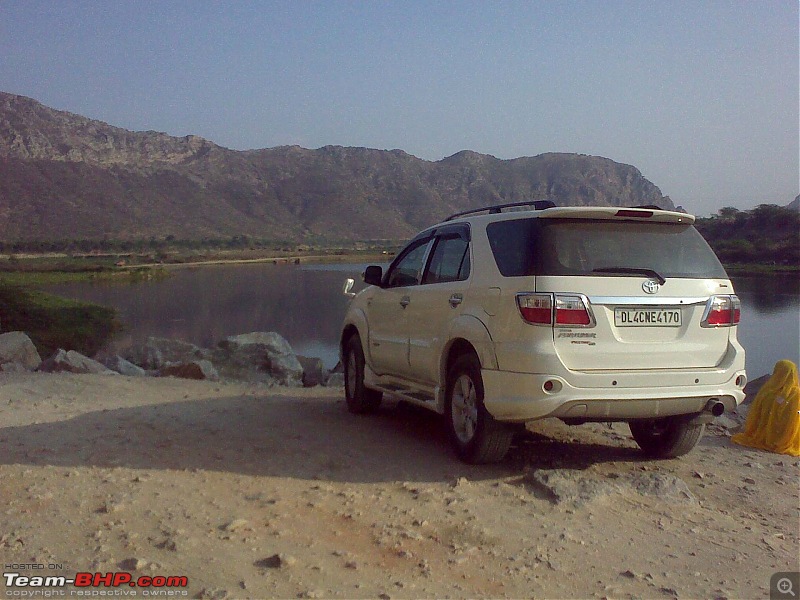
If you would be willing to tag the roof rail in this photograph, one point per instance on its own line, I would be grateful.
(498, 208)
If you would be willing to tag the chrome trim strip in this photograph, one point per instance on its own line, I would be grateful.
(645, 301)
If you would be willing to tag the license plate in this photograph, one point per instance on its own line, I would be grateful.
(647, 317)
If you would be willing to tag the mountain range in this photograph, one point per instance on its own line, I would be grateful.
(65, 176)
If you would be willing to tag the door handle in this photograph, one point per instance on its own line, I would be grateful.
(456, 299)
(405, 301)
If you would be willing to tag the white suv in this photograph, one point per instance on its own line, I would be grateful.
(585, 314)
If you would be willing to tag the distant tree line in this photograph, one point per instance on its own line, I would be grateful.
(767, 234)
(111, 246)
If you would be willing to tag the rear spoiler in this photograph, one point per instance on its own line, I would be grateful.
(613, 213)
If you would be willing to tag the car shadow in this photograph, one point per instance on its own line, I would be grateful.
(304, 438)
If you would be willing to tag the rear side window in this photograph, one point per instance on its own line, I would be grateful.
(513, 245)
(449, 261)
(597, 248)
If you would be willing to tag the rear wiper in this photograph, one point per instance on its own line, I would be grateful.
(648, 272)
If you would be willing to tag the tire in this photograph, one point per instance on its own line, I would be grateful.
(474, 433)
(667, 438)
(360, 399)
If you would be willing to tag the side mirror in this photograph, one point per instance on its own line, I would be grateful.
(373, 275)
(348, 285)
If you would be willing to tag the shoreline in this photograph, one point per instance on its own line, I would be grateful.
(278, 260)
(93, 268)
(102, 264)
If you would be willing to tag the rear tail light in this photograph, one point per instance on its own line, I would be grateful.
(569, 311)
(722, 311)
(536, 309)
(572, 310)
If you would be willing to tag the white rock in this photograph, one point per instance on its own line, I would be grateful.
(124, 367)
(73, 362)
(17, 347)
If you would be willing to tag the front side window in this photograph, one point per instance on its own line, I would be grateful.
(449, 262)
(406, 270)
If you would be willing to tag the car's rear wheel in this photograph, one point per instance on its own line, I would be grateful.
(360, 399)
(667, 438)
(474, 433)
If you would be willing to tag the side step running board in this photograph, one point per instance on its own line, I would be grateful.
(406, 393)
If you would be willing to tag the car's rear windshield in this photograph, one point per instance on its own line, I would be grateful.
(524, 247)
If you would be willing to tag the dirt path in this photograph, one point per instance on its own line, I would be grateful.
(278, 493)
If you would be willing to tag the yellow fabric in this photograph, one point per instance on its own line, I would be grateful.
(773, 422)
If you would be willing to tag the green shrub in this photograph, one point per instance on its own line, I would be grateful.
(53, 322)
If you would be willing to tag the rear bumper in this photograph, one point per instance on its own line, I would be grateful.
(519, 397)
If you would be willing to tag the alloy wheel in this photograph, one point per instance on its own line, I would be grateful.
(464, 408)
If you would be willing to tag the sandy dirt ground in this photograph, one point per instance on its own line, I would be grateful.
(281, 493)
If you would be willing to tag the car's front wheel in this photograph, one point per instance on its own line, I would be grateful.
(360, 399)
(669, 437)
(475, 434)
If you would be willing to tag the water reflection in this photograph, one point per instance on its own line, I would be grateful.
(305, 304)
(770, 326)
(768, 295)
(205, 305)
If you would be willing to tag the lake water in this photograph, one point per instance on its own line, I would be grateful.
(304, 303)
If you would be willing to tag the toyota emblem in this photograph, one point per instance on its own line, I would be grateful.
(651, 286)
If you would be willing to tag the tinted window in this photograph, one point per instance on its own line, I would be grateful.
(512, 244)
(583, 247)
(449, 262)
(406, 270)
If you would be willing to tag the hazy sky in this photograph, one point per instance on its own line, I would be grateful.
(702, 97)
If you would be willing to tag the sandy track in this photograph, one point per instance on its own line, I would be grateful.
(211, 481)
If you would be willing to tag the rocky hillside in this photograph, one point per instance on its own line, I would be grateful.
(65, 176)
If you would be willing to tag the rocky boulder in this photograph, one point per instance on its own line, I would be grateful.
(157, 352)
(17, 347)
(336, 377)
(579, 488)
(13, 367)
(335, 380)
(263, 357)
(73, 362)
(196, 369)
(124, 367)
(314, 371)
(752, 388)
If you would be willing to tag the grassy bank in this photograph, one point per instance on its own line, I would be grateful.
(36, 270)
(44, 269)
(39, 278)
(53, 322)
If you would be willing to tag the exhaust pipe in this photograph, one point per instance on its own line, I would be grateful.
(715, 407)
